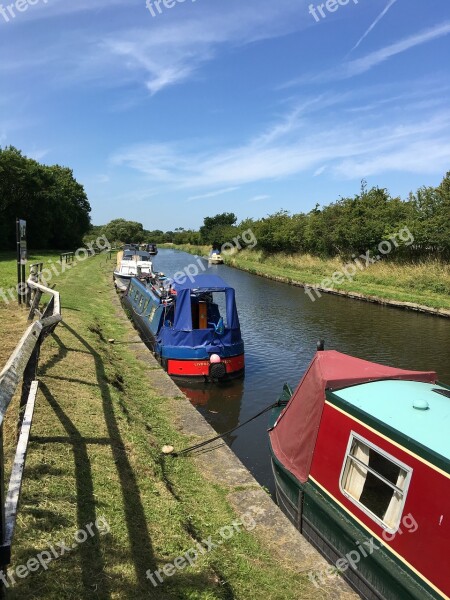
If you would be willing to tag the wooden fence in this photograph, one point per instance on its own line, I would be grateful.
(22, 367)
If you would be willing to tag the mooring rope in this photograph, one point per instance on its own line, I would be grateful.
(222, 435)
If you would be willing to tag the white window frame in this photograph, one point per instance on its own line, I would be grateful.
(391, 458)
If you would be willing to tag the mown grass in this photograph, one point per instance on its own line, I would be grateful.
(426, 283)
(95, 452)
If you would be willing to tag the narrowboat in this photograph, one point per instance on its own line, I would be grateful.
(150, 248)
(193, 327)
(361, 461)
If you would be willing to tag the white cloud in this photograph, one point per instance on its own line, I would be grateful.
(56, 8)
(213, 194)
(38, 154)
(361, 65)
(159, 52)
(319, 171)
(374, 24)
(403, 159)
(342, 145)
(259, 198)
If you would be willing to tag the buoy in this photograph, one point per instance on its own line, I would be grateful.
(214, 359)
(167, 449)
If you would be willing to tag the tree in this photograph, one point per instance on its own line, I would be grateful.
(429, 218)
(70, 208)
(122, 231)
(52, 202)
(216, 230)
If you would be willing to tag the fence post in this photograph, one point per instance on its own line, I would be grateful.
(33, 298)
(3, 561)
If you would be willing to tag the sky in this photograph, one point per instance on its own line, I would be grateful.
(171, 112)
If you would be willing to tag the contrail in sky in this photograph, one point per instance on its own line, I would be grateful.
(377, 20)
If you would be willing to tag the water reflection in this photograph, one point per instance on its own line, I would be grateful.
(220, 405)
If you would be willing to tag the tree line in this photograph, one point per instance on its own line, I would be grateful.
(343, 228)
(49, 198)
(348, 226)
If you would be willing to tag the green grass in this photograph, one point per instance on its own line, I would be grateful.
(426, 283)
(95, 452)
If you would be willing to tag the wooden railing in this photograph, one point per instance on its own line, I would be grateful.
(22, 366)
(67, 257)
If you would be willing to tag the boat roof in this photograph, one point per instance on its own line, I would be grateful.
(392, 403)
(294, 435)
(207, 283)
(142, 254)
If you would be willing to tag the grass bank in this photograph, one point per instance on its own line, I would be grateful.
(426, 283)
(95, 455)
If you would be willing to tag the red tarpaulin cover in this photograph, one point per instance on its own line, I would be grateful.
(294, 435)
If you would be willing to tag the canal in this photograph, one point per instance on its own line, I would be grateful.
(280, 327)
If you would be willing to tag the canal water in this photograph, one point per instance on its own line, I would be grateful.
(280, 327)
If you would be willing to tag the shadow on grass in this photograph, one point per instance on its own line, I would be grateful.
(91, 559)
(140, 545)
(62, 353)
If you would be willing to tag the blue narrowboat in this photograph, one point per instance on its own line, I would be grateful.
(193, 327)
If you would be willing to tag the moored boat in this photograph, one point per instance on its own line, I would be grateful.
(215, 258)
(132, 263)
(193, 327)
(152, 249)
(361, 460)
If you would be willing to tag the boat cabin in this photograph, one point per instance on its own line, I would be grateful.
(361, 458)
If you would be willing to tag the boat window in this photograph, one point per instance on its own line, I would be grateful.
(375, 481)
(208, 311)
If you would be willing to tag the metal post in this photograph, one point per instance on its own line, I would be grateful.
(19, 270)
(23, 293)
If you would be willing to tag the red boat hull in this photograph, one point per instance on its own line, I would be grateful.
(201, 368)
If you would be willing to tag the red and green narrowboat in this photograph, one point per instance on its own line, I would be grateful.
(361, 460)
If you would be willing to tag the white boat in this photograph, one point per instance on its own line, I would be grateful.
(215, 258)
(132, 264)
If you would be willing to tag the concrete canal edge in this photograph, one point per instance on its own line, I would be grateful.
(246, 496)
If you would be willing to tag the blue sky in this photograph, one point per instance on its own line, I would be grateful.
(244, 106)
